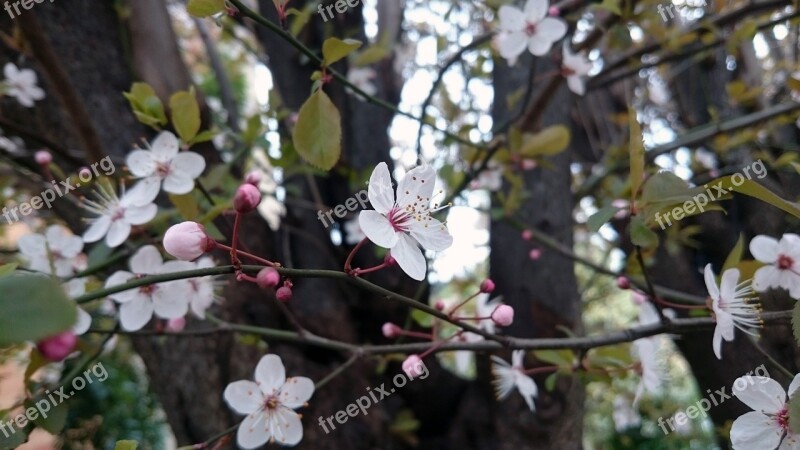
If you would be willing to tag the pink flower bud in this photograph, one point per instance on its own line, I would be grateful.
(414, 367)
(254, 178)
(554, 11)
(535, 254)
(623, 283)
(487, 286)
(390, 330)
(638, 298)
(439, 305)
(58, 347)
(389, 260)
(187, 241)
(527, 235)
(503, 315)
(176, 325)
(43, 157)
(246, 199)
(268, 278)
(283, 294)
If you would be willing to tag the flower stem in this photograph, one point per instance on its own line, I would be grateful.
(347, 268)
(249, 255)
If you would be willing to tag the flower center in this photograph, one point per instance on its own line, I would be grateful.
(785, 262)
(119, 213)
(399, 218)
(147, 289)
(783, 418)
(162, 169)
(530, 29)
(271, 402)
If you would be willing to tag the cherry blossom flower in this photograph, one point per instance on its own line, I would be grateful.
(402, 223)
(768, 425)
(574, 67)
(21, 84)
(362, 78)
(75, 288)
(116, 216)
(168, 300)
(783, 263)
(163, 166)
(202, 290)
(57, 243)
(530, 29)
(269, 404)
(646, 351)
(510, 376)
(734, 306)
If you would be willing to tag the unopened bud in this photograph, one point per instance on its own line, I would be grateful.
(487, 286)
(58, 347)
(503, 315)
(268, 278)
(390, 330)
(246, 199)
(283, 294)
(43, 157)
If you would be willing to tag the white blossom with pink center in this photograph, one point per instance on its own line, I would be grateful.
(115, 217)
(401, 224)
(269, 404)
(767, 426)
(529, 28)
(782, 259)
(734, 306)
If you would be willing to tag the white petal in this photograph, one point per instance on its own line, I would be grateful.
(33, 246)
(145, 191)
(243, 396)
(178, 183)
(139, 215)
(766, 277)
(118, 233)
(171, 301)
(794, 385)
(190, 164)
(69, 246)
(517, 358)
(536, 10)
(141, 163)
(576, 85)
(165, 147)
(727, 286)
(418, 183)
(380, 190)
(97, 230)
(296, 392)
(270, 374)
(527, 388)
(761, 394)
(378, 229)
(711, 282)
(551, 29)
(117, 278)
(432, 234)
(253, 431)
(723, 330)
(409, 257)
(287, 429)
(10, 71)
(83, 323)
(539, 45)
(764, 249)
(511, 45)
(146, 260)
(135, 314)
(754, 431)
(511, 18)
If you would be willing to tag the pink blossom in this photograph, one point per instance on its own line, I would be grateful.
(246, 199)
(412, 366)
(187, 241)
(43, 157)
(58, 347)
(503, 315)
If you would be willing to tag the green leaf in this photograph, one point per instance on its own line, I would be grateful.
(146, 105)
(796, 321)
(602, 216)
(735, 256)
(185, 114)
(126, 445)
(56, 418)
(562, 358)
(205, 136)
(423, 319)
(755, 190)
(334, 49)
(205, 8)
(641, 235)
(34, 307)
(16, 438)
(636, 155)
(550, 381)
(550, 141)
(370, 55)
(187, 206)
(318, 134)
(8, 269)
(794, 412)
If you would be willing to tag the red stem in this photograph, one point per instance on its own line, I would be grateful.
(347, 267)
